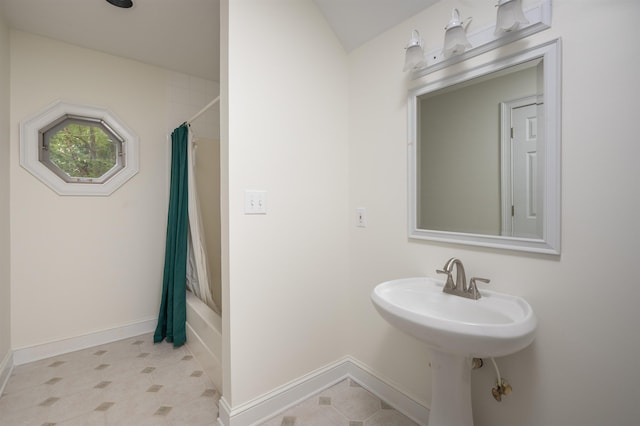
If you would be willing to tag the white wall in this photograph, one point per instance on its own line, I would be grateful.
(187, 95)
(286, 275)
(581, 368)
(86, 264)
(5, 284)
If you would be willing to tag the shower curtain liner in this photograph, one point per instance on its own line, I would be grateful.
(185, 254)
(198, 278)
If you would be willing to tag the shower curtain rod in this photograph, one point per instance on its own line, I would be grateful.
(202, 111)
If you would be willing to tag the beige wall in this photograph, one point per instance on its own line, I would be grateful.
(85, 264)
(5, 283)
(580, 369)
(285, 279)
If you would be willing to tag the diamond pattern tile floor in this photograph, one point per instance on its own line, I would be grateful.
(344, 404)
(138, 383)
(129, 382)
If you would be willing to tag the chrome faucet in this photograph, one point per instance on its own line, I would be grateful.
(459, 287)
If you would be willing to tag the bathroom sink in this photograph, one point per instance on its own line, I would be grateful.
(495, 325)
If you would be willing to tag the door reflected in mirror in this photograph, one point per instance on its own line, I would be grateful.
(484, 154)
(478, 154)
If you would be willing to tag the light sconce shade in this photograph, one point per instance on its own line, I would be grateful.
(414, 56)
(455, 36)
(510, 16)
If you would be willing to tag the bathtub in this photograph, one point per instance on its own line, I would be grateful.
(204, 338)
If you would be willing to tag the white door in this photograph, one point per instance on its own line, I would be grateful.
(524, 172)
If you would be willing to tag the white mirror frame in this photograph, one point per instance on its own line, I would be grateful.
(550, 52)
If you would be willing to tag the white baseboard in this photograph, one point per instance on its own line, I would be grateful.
(63, 346)
(263, 408)
(6, 366)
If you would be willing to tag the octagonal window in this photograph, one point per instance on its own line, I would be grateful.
(81, 150)
(78, 149)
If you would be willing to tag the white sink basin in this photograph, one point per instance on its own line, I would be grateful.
(495, 325)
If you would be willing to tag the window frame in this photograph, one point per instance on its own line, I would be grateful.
(52, 129)
(33, 160)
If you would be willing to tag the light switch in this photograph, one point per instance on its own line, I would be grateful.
(255, 202)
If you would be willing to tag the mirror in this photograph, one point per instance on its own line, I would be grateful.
(484, 154)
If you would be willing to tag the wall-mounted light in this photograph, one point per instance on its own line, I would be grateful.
(514, 25)
(455, 35)
(414, 56)
(510, 16)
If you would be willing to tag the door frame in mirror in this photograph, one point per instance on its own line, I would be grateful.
(550, 52)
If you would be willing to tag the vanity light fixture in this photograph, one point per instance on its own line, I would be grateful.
(459, 47)
(510, 16)
(455, 35)
(414, 56)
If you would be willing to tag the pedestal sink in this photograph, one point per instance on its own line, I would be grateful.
(455, 329)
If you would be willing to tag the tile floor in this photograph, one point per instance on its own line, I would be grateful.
(344, 404)
(134, 382)
(129, 382)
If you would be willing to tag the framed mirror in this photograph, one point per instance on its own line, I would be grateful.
(484, 154)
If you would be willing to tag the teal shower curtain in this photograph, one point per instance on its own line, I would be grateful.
(173, 309)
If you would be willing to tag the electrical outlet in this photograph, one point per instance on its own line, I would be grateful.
(361, 217)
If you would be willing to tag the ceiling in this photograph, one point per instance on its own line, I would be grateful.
(183, 35)
(357, 21)
(174, 34)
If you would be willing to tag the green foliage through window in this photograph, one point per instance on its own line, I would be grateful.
(83, 151)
